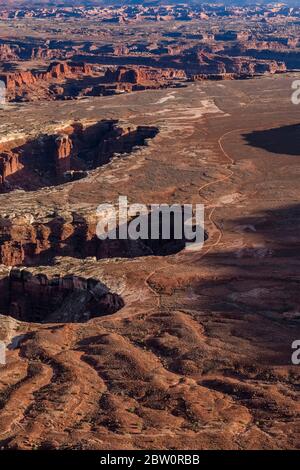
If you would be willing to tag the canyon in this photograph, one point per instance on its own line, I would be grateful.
(81, 59)
(33, 298)
(141, 343)
(132, 334)
(67, 154)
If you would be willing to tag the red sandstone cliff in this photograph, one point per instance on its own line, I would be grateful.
(29, 297)
(204, 63)
(142, 75)
(62, 154)
(35, 85)
(9, 164)
(58, 71)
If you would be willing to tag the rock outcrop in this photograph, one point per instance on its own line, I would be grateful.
(31, 297)
(9, 164)
(144, 344)
(143, 75)
(8, 52)
(16, 82)
(46, 159)
(207, 64)
(62, 155)
(53, 83)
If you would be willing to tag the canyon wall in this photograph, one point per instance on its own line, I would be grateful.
(32, 297)
(141, 75)
(48, 159)
(205, 64)
(55, 71)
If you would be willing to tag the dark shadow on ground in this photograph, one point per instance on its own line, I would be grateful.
(253, 298)
(55, 299)
(83, 242)
(282, 140)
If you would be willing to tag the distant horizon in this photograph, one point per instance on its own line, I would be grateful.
(11, 3)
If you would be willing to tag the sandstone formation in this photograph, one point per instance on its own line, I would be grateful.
(149, 343)
(62, 157)
(53, 84)
(143, 75)
(47, 158)
(99, 63)
(17, 82)
(214, 64)
(33, 297)
(9, 164)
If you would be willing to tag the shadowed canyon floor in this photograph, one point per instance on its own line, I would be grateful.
(190, 350)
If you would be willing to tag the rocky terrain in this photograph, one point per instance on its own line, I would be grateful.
(144, 344)
(200, 340)
(65, 80)
(163, 45)
(31, 163)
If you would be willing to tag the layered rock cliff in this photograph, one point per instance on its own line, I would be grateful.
(31, 297)
(16, 82)
(206, 64)
(45, 160)
(143, 75)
